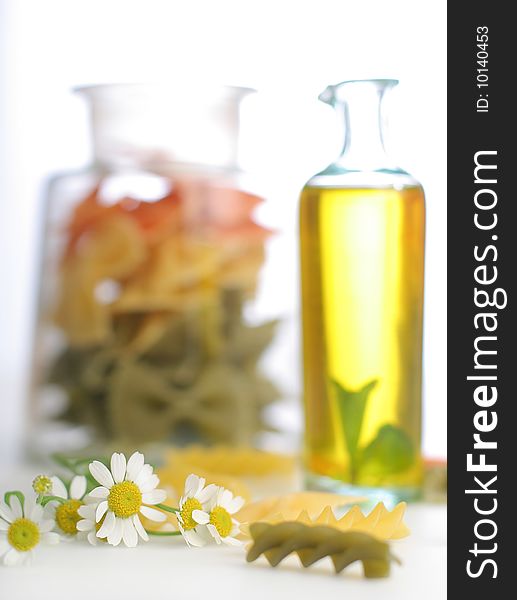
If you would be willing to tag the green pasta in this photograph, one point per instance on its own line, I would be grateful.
(193, 384)
(312, 543)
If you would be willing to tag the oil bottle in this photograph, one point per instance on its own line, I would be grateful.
(362, 228)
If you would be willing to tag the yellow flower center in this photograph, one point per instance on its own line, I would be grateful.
(42, 485)
(23, 534)
(222, 521)
(189, 506)
(125, 499)
(67, 516)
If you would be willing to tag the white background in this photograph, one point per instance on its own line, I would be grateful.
(289, 50)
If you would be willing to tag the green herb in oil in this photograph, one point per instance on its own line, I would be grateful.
(390, 452)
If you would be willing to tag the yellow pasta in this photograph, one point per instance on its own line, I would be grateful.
(290, 506)
(239, 462)
(380, 522)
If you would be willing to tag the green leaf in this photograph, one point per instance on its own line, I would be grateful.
(351, 405)
(391, 451)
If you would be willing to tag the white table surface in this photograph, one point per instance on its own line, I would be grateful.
(165, 568)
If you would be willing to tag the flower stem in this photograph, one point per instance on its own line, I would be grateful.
(18, 494)
(166, 508)
(46, 499)
(163, 533)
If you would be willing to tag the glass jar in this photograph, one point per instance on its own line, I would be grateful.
(362, 226)
(152, 325)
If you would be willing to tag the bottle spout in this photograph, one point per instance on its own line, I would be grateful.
(328, 95)
(358, 104)
(340, 92)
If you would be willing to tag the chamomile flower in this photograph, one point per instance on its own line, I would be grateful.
(125, 491)
(23, 527)
(88, 527)
(42, 485)
(65, 513)
(195, 499)
(218, 518)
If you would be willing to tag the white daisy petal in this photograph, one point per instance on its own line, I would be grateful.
(78, 487)
(129, 534)
(92, 538)
(201, 517)
(99, 492)
(13, 557)
(192, 484)
(101, 474)
(207, 493)
(4, 525)
(118, 466)
(28, 505)
(154, 497)
(85, 525)
(226, 498)
(58, 487)
(16, 507)
(235, 505)
(51, 538)
(134, 466)
(211, 503)
(193, 538)
(215, 534)
(200, 485)
(139, 528)
(115, 537)
(87, 511)
(145, 472)
(46, 525)
(107, 526)
(88, 500)
(33, 511)
(4, 546)
(101, 510)
(6, 513)
(205, 534)
(152, 513)
(230, 541)
(149, 484)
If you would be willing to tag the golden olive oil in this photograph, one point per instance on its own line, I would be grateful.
(362, 260)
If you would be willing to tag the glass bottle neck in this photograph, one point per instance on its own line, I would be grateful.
(359, 106)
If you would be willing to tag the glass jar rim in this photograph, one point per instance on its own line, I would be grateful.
(221, 91)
